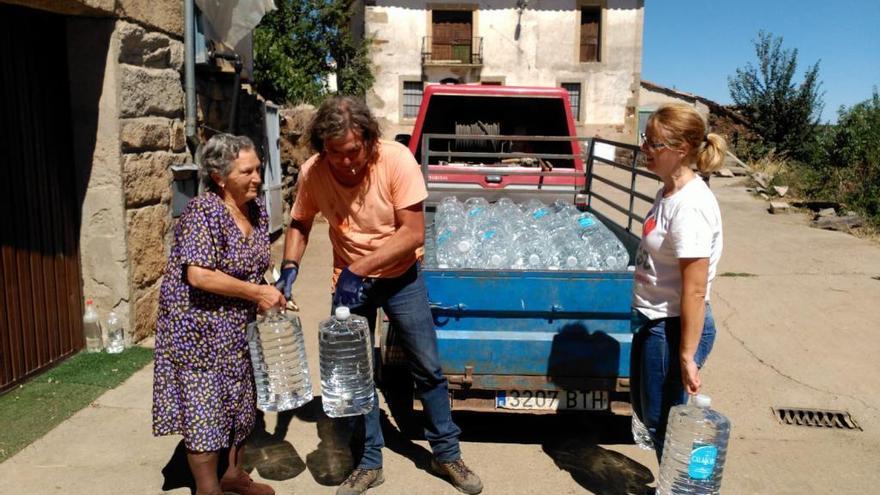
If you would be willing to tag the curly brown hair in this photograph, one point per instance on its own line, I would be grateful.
(340, 114)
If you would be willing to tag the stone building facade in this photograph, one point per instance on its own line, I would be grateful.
(125, 62)
(593, 48)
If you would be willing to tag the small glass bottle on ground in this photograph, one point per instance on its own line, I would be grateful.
(92, 328)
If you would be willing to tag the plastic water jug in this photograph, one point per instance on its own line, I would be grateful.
(694, 450)
(346, 364)
(278, 355)
(115, 334)
(641, 436)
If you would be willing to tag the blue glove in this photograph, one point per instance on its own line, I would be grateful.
(349, 289)
(286, 279)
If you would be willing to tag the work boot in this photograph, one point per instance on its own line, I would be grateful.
(244, 485)
(360, 480)
(462, 478)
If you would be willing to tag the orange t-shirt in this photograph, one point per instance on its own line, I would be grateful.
(362, 217)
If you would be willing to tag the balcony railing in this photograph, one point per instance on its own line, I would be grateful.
(460, 51)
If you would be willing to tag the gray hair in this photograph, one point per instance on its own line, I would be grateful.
(217, 155)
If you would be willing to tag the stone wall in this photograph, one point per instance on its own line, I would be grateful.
(295, 149)
(151, 139)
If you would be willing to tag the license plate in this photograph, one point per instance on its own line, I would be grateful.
(552, 400)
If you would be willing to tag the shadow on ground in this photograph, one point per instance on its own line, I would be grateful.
(573, 442)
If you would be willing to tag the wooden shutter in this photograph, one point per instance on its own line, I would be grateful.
(590, 31)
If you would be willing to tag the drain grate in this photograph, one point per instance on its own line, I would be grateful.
(818, 418)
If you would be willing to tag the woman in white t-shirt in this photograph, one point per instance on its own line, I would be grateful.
(676, 262)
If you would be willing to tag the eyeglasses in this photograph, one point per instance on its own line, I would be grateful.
(653, 146)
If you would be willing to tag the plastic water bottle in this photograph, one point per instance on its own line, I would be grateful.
(453, 248)
(92, 328)
(450, 214)
(641, 436)
(115, 334)
(278, 355)
(492, 250)
(346, 357)
(694, 450)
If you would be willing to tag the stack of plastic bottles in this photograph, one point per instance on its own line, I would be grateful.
(528, 236)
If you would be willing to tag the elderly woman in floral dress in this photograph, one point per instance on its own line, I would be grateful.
(203, 383)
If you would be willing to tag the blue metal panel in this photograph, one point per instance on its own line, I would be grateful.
(562, 325)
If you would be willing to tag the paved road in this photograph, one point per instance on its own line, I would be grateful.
(800, 332)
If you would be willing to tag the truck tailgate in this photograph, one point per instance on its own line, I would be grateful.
(558, 324)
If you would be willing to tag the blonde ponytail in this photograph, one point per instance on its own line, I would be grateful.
(711, 154)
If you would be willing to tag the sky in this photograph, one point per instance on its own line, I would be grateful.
(695, 45)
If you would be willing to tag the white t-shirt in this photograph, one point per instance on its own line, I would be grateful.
(684, 225)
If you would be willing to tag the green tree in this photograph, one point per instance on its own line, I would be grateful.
(856, 155)
(784, 113)
(301, 44)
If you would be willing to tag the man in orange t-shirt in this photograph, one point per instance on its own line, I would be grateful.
(371, 193)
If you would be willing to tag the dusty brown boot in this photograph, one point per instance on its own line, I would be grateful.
(244, 485)
(360, 480)
(462, 478)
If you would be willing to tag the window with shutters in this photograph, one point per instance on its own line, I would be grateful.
(591, 34)
(412, 98)
(574, 98)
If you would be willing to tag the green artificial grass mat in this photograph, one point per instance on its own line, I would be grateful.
(33, 408)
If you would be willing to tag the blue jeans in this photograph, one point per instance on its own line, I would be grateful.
(405, 300)
(655, 369)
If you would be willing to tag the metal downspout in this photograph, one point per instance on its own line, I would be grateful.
(189, 73)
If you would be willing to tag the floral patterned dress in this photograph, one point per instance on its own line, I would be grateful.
(203, 386)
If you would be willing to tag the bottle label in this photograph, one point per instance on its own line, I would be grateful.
(702, 462)
(488, 234)
(540, 213)
(476, 211)
(586, 222)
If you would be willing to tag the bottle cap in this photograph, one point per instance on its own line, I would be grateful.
(342, 313)
(701, 400)
(89, 302)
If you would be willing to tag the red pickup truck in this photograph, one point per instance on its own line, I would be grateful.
(529, 124)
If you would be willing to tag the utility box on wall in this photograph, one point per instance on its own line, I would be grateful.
(272, 185)
(184, 186)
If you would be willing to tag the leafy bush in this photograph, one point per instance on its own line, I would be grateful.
(856, 156)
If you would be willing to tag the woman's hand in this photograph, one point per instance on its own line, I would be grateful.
(269, 297)
(690, 376)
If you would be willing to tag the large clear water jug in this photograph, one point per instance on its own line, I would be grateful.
(346, 364)
(278, 355)
(694, 450)
(641, 435)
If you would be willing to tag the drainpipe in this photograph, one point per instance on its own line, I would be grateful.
(235, 58)
(189, 72)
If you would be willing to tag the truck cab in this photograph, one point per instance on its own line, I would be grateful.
(512, 130)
